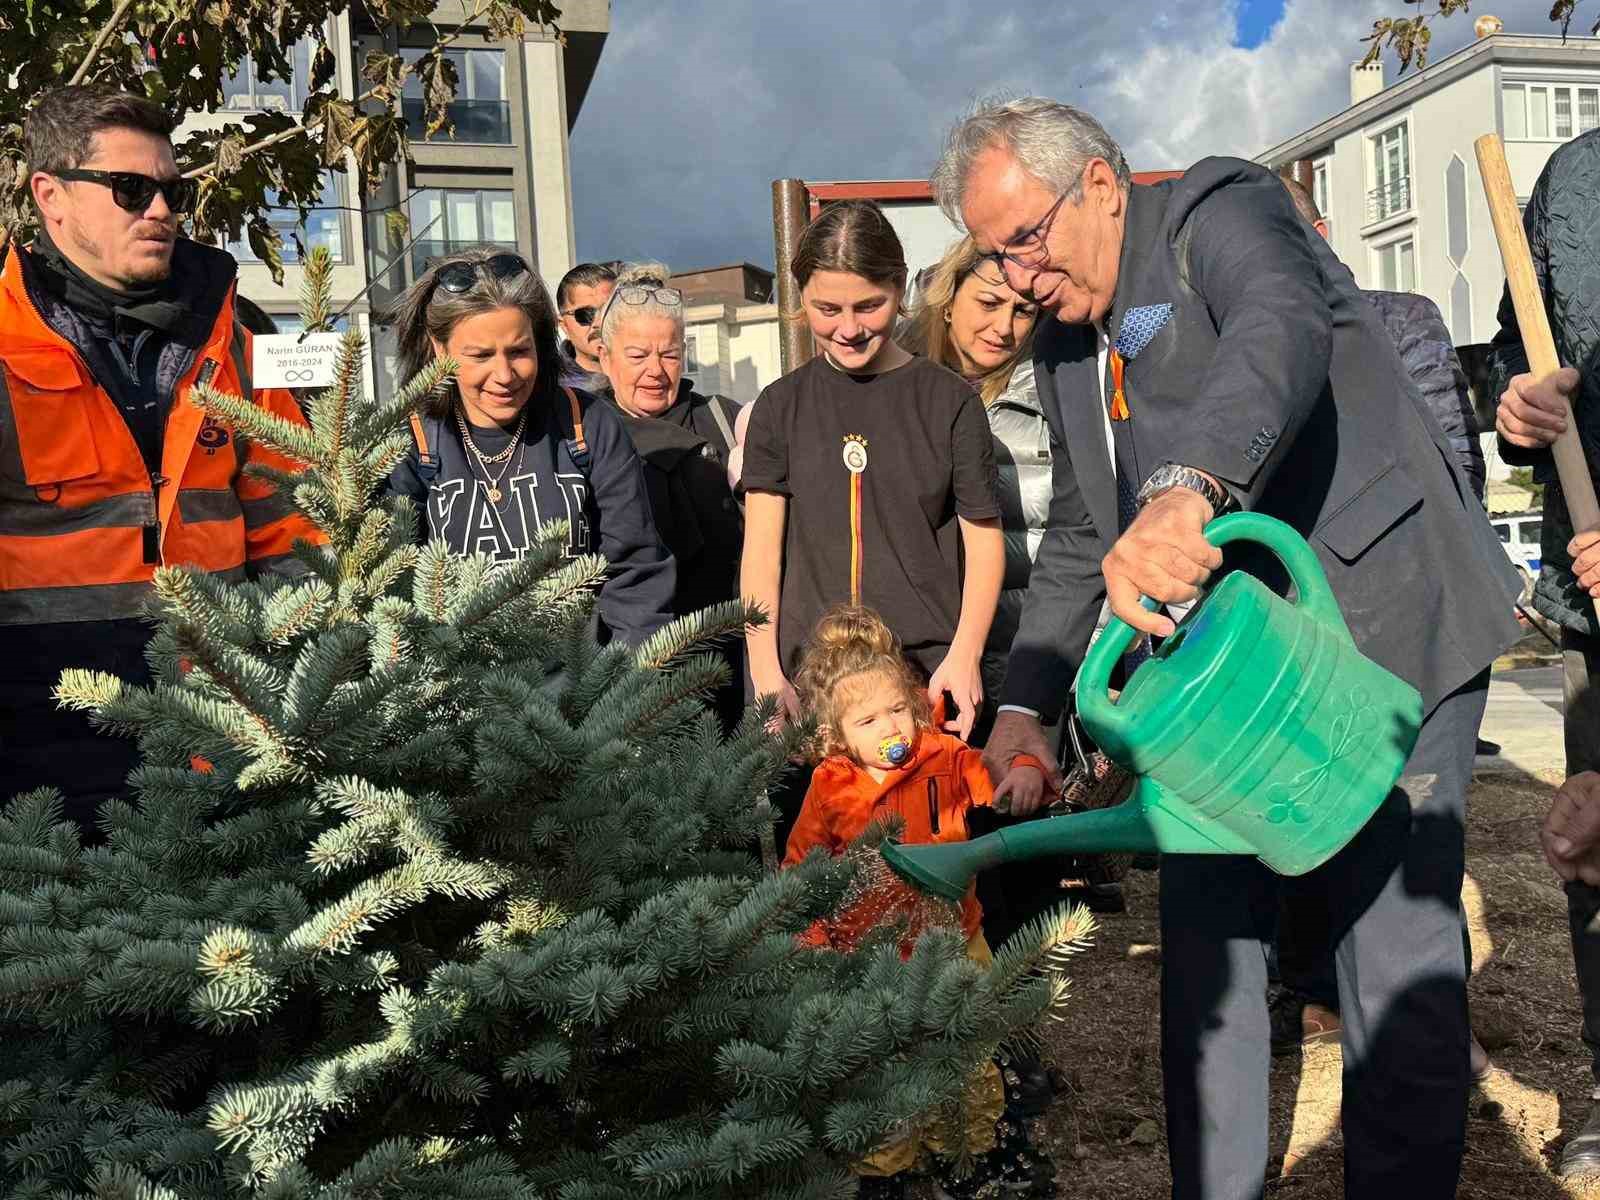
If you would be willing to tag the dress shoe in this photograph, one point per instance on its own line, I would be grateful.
(1295, 1021)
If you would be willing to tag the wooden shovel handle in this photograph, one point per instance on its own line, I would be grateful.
(1577, 484)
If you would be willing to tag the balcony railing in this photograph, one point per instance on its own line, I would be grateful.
(481, 122)
(425, 252)
(1390, 200)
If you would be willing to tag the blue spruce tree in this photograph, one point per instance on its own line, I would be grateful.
(420, 892)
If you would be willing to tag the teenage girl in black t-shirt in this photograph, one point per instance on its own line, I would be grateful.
(869, 478)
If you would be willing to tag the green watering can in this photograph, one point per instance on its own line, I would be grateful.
(1256, 728)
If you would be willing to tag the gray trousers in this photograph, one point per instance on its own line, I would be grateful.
(1395, 897)
(1580, 660)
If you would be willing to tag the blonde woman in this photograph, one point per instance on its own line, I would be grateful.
(967, 318)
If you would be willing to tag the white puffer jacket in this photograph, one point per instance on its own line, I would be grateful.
(1022, 460)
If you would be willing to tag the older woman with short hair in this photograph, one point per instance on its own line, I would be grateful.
(685, 440)
(509, 450)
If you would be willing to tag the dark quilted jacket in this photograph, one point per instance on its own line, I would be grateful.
(1429, 355)
(1563, 227)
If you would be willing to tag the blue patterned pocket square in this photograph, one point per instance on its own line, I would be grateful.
(1139, 325)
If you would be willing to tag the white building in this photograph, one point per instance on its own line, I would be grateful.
(1396, 176)
(732, 349)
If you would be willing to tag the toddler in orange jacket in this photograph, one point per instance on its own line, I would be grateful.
(884, 753)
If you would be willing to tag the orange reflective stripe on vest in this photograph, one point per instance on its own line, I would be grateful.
(83, 523)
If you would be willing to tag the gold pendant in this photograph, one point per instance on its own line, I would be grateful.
(494, 495)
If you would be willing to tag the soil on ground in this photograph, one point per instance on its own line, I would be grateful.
(1107, 1133)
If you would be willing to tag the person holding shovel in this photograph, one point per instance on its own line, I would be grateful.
(1564, 238)
(1233, 363)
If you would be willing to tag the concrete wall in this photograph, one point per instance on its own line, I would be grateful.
(925, 232)
(736, 348)
(550, 174)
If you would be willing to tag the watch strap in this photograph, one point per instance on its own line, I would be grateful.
(1172, 475)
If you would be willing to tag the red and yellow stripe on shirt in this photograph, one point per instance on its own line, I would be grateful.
(855, 461)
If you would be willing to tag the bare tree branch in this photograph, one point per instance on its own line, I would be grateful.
(100, 40)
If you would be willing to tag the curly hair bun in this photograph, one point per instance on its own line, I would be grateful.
(853, 627)
(650, 274)
(848, 642)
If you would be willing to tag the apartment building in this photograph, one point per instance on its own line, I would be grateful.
(1397, 178)
(502, 176)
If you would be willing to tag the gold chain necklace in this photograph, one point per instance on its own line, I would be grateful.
(491, 481)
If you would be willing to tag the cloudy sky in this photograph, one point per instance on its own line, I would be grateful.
(699, 104)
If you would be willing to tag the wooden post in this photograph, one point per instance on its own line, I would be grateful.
(1577, 484)
(789, 219)
(1305, 174)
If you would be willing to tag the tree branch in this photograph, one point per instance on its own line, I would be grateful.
(100, 41)
(284, 135)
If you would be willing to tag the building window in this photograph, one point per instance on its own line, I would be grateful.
(1322, 191)
(1397, 266)
(481, 111)
(458, 218)
(1532, 112)
(1391, 174)
(247, 89)
(323, 226)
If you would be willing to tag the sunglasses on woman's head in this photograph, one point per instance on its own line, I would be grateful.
(133, 192)
(642, 293)
(461, 277)
(636, 293)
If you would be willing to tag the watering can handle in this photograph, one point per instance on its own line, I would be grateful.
(1315, 599)
(1313, 595)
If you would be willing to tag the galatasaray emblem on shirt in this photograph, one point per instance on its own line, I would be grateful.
(855, 453)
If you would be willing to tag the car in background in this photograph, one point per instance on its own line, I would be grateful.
(1519, 534)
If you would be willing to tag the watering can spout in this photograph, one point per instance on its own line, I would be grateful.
(1139, 825)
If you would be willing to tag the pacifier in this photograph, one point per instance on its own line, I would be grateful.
(894, 750)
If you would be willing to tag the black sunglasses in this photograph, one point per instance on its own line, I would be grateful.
(583, 316)
(133, 191)
(461, 277)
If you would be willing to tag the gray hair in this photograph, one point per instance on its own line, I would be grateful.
(427, 313)
(618, 312)
(1051, 141)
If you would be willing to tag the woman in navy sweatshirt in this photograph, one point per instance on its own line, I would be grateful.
(507, 450)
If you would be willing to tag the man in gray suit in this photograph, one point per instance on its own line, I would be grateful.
(1207, 352)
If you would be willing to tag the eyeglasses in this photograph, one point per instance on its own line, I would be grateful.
(1028, 250)
(458, 278)
(639, 294)
(583, 316)
(643, 293)
(133, 192)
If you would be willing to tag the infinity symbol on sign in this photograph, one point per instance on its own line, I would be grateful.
(299, 375)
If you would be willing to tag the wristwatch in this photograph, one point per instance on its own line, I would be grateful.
(1172, 475)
